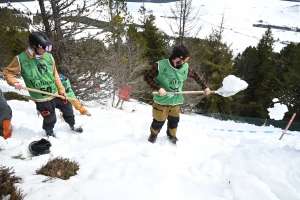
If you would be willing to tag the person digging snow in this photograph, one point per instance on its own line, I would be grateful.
(168, 75)
(37, 67)
(70, 93)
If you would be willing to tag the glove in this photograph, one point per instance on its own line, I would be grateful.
(41, 146)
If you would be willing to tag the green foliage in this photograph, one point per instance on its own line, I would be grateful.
(15, 17)
(7, 181)
(14, 96)
(13, 35)
(156, 42)
(59, 167)
(257, 66)
(217, 65)
(287, 64)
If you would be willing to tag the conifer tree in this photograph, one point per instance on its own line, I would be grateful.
(245, 66)
(13, 34)
(265, 82)
(258, 67)
(288, 61)
(218, 65)
(156, 41)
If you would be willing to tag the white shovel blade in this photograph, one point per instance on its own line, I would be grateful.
(231, 86)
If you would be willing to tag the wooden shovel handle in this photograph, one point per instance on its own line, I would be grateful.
(186, 92)
(48, 93)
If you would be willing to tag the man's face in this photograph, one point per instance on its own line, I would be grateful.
(178, 62)
(40, 51)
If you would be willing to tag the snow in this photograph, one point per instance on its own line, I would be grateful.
(277, 112)
(231, 85)
(239, 17)
(215, 160)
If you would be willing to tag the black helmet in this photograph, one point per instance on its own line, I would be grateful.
(39, 147)
(39, 40)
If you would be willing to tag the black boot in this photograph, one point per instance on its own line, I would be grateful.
(152, 138)
(50, 133)
(173, 139)
(77, 129)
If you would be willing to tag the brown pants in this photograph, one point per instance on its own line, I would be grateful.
(160, 114)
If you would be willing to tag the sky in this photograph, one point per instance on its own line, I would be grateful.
(239, 17)
(213, 159)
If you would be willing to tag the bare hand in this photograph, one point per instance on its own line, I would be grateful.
(162, 92)
(64, 96)
(18, 85)
(207, 91)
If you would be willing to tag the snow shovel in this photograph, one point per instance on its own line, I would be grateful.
(231, 86)
(48, 93)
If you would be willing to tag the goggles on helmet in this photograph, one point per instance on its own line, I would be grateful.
(47, 48)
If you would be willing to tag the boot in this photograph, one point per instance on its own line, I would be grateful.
(50, 133)
(173, 139)
(152, 138)
(77, 129)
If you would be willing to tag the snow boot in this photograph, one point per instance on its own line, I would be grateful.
(152, 138)
(173, 139)
(50, 133)
(77, 129)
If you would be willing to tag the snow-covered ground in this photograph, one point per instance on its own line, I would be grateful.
(239, 17)
(215, 160)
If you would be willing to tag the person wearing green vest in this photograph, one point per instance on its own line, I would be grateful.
(168, 75)
(38, 70)
(70, 93)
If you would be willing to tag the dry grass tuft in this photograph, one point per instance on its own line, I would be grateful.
(59, 167)
(7, 181)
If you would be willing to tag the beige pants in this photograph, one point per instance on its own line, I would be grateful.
(160, 114)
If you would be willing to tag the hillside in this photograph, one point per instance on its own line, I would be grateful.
(212, 159)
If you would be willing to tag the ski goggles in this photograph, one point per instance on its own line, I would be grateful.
(47, 48)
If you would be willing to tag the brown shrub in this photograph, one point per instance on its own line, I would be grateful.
(59, 167)
(14, 95)
(7, 181)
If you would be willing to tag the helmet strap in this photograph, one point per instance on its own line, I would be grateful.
(36, 52)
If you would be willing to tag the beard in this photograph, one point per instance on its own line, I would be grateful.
(179, 64)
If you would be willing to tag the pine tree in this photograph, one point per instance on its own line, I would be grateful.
(156, 41)
(13, 34)
(245, 66)
(257, 66)
(288, 61)
(218, 65)
(266, 82)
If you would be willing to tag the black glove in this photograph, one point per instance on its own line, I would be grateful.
(41, 146)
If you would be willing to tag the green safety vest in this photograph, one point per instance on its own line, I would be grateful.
(69, 91)
(171, 79)
(38, 74)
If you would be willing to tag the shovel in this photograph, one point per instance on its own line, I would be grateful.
(231, 86)
(48, 93)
